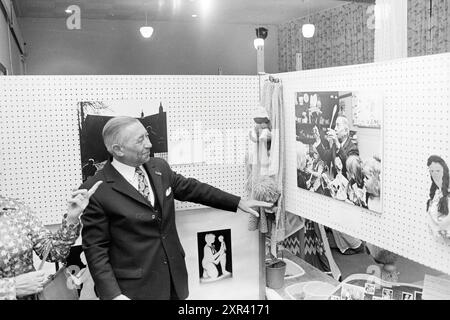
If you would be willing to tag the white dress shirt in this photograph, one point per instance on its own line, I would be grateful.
(129, 173)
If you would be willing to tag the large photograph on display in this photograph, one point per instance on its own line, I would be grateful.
(339, 145)
(93, 115)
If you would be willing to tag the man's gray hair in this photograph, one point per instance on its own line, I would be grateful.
(111, 130)
(344, 121)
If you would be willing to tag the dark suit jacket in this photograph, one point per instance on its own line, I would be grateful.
(129, 249)
(346, 150)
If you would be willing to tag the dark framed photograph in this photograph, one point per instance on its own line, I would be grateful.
(92, 117)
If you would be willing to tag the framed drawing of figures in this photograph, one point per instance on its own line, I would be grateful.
(214, 255)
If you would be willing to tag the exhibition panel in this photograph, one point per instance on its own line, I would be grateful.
(415, 94)
(208, 118)
(398, 115)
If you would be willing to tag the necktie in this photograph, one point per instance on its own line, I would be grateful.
(143, 186)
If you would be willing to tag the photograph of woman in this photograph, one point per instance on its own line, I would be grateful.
(438, 201)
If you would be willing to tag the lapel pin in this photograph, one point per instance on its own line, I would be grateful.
(158, 173)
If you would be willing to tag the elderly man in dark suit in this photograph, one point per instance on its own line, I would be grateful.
(129, 235)
(340, 144)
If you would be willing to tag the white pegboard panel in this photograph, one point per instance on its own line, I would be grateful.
(416, 124)
(40, 158)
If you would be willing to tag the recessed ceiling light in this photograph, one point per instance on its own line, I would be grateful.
(194, 16)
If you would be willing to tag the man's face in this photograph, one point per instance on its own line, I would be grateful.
(136, 145)
(341, 128)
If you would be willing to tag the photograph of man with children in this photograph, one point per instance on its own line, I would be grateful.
(335, 157)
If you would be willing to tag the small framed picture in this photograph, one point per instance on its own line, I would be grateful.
(407, 296)
(352, 292)
(387, 294)
(417, 295)
(369, 288)
(214, 255)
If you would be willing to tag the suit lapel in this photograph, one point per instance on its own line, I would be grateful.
(344, 147)
(156, 179)
(119, 184)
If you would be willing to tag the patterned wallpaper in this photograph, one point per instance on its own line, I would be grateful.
(342, 38)
(428, 31)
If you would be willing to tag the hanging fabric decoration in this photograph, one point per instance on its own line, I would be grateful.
(265, 165)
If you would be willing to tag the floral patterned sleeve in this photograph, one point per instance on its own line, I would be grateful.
(60, 241)
(7, 289)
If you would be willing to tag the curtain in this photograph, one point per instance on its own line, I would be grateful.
(342, 38)
(272, 101)
(285, 223)
(418, 27)
(391, 32)
(428, 27)
(440, 26)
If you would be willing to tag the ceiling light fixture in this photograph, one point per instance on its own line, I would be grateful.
(261, 34)
(308, 29)
(194, 16)
(146, 31)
